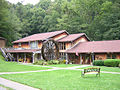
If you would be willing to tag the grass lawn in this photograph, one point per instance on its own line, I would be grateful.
(103, 68)
(67, 80)
(63, 65)
(16, 67)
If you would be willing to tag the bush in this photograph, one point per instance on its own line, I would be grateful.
(55, 62)
(112, 62)
(41, 62)
(45, 63)
(98, 63)
(119, 65)
(50, 62)
(62, 61)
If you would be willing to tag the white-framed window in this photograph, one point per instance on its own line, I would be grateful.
(62, 55)
(62, 46)
(19, 45)
(111, 56)
(34, 44)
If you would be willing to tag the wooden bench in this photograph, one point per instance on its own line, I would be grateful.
(91, 71)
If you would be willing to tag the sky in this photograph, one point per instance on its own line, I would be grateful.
(24, 1)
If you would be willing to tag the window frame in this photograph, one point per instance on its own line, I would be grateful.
(62, 46)
(111, 56)
(33, 44)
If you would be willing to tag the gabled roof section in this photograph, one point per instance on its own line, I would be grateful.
(40, 36)
(23, 51)
(72, 37)
(2, 38)
(96, 47)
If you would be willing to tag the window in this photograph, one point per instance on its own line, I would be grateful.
(62, 56)
(108, 56)
(113, 56)
(62, 46)
(33, 45)
(19, 44)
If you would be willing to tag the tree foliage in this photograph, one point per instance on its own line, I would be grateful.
(99, 19)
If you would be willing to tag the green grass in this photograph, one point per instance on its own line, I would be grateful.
(16, 67)
(104, 68)
(60, 79)
(67, 80)
(63, 65)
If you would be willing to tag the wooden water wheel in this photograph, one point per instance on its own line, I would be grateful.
(50, 50)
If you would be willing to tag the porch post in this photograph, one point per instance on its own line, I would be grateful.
(66, 58)
(29, 45)
(17, 57)
(90, 58)
(41, 56)
(80, 58)
(24, 57)
(33, 57)
(93, 57)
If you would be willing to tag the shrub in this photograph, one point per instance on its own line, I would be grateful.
(112, 62)
(55, 62)
(119, 65)
(39, 62)
(62, 61)
(98, 63)
(45, 63)
(50, 62)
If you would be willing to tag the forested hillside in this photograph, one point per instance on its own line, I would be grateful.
(99, 19)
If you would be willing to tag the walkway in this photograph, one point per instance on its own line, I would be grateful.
(57, 68)
(2, 88)
(53, 68)
(15, 85)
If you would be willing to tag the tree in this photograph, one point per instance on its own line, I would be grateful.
(9, 23)
(99, 19)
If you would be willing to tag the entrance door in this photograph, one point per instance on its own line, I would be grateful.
(86, 58)
(74, 59)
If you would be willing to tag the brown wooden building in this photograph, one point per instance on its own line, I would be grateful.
(86, 52)
(28, 49)
(2, 42)
(75, 48)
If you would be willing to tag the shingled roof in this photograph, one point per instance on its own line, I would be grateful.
(2, 38)
(40, 36)
(23, 51)
(96, 47)
(72, 37)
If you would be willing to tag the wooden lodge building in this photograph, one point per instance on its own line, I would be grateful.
(76, 48)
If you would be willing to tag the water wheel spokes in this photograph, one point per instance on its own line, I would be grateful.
(50, 50)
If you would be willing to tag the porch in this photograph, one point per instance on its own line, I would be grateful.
(25, 55)
(81, 58)
(88, 58)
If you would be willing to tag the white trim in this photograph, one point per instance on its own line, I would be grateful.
(33, 57)
(80, 58)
